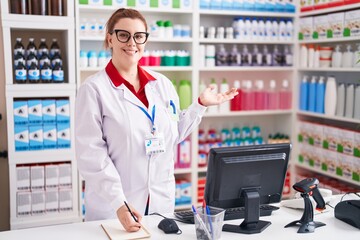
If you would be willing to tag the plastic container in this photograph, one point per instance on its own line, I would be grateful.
(273, 96)
(235, 104)
(357, 101)
(330, 96)
(349, 107)
(225, 106)
(304, 94)
(248, 102)
(210, 55)
(336, 57)
(303, 56)
(285, 95)
(185, 94)
(221, 56)
(340, 103)
(259, 95)
(348, 56)
(83, 59)
(320, 95)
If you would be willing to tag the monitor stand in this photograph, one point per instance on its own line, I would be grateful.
(251, 223)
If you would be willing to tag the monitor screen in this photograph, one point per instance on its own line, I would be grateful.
(235, 174)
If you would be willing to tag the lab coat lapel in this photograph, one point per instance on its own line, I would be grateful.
(129, 96)
(151, 93)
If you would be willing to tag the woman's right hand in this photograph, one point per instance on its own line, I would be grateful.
(127, 220)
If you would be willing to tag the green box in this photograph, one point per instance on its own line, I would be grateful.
(301, 158)
(154, 3)
(84, 2)
(176, 4)
(108, 2)
(131, 3)
(324, 167)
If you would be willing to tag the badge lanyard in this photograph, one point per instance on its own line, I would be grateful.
(152, 118)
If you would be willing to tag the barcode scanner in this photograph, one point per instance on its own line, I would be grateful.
(308, 187)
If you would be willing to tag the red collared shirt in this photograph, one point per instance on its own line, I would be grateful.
(117, 80)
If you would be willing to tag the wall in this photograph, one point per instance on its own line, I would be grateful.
(4, 168)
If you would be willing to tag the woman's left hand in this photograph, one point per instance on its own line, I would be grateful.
(209, 98)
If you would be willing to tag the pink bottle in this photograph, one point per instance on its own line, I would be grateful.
(235, 104)
(285, 95)
(248, 102)
(260, 95)
(273, 96)
(184, 154)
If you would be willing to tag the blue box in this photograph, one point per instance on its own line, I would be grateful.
(177, 194)
(21, 112)
(49, 136)
(35, 111)
(49, 111)
(185, 193)
(63, 135)
(36, 137)
(21, 138)
(62, 111)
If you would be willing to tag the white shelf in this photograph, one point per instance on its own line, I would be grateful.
(202, 169)
(154, 68)
(109, 9)
(245, 13)
(43, 156)
(329, 10)
(37, 22)
(245, 69)
(40, 87)
(250, 113)
(327, 174)
(182, 170)
(331, 40)
(323, 116)
(240, 41)
(44, 220)
(329, 69)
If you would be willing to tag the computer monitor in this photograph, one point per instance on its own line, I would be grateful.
(246, 176)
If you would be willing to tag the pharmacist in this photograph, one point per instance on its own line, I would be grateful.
(127, 126)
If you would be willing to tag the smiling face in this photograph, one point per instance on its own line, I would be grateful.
(126, 54)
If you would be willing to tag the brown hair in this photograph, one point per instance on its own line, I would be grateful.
(120, 14)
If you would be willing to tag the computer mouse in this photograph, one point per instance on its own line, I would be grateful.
(349, 212)
(168, 226)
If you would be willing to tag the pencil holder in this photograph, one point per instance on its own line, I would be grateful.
(208, 223)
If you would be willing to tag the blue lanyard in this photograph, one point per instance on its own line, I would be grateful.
(152, 118)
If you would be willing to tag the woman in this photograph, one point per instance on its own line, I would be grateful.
(127, 126)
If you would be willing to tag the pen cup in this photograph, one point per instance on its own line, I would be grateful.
(208, 224)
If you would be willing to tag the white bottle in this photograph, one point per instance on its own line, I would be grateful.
(224, 87)
(347, 60)
(240, 28)
(210, 55)
(303, 56)
(317, 57)
(356, 62)
(268, 29)
(330, 96)
(201, 32)
(289, 30)
(248, 29)
(261, 29)
(336, 58)
(357, 100)
(220, 33)
(340, 103)
(275, 30)
(211, 33)
(229, 33)
(288, 56)
(282, 30)
(202, 55)
(349, 107)
(255, 29)
(311, 52)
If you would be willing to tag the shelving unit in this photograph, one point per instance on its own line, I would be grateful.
(49, 27)
(342, 124)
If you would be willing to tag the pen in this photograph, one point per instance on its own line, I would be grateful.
(132, 214)
(208, 213)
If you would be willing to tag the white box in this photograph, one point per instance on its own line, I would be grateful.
(65, 200)
(346, 142)
(142, 4)
(331, 138)
(37, 202)
(52, 201)
(37, 177)
(23, 177)
(65, 175)
(352, 22)
(336, 24)
(95, 2)
(23, 204)
(329, 161)
(321, 25)
(306, 27)
(119, 3)
(165, 4)
(51, 176)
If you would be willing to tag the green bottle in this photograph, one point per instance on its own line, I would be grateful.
(185, 94)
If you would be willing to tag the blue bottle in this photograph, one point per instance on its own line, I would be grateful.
(304, 93)
(312, 94)
(320, 95)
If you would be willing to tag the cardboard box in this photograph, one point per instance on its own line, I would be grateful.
(23, 178)
(65, 175)
(49, 136)
(357, 144)
(345, 143)
(23, 204)
(20, 110)
(352, 23)
(51, 176)
(321, 26)
(63, 135)
(62, 111)
(336, 24)
(329, 161)
(35, 111)
(37, 202)
(37, 177)
(65, 200)
(51, 201)
(331, 138)
(306, 28)
(36, 137)
(21, 137)
(49, 111)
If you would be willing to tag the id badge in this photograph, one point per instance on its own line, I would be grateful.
(155, 144)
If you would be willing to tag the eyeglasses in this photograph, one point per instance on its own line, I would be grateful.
(124, 36)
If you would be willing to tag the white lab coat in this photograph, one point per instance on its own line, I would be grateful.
(110, 132)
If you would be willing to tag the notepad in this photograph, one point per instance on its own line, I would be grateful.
(115, 231)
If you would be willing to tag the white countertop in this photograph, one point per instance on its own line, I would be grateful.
(334, 229)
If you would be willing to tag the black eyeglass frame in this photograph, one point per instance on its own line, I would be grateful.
(133, 36)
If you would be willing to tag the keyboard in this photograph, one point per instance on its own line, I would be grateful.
(187, 216)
